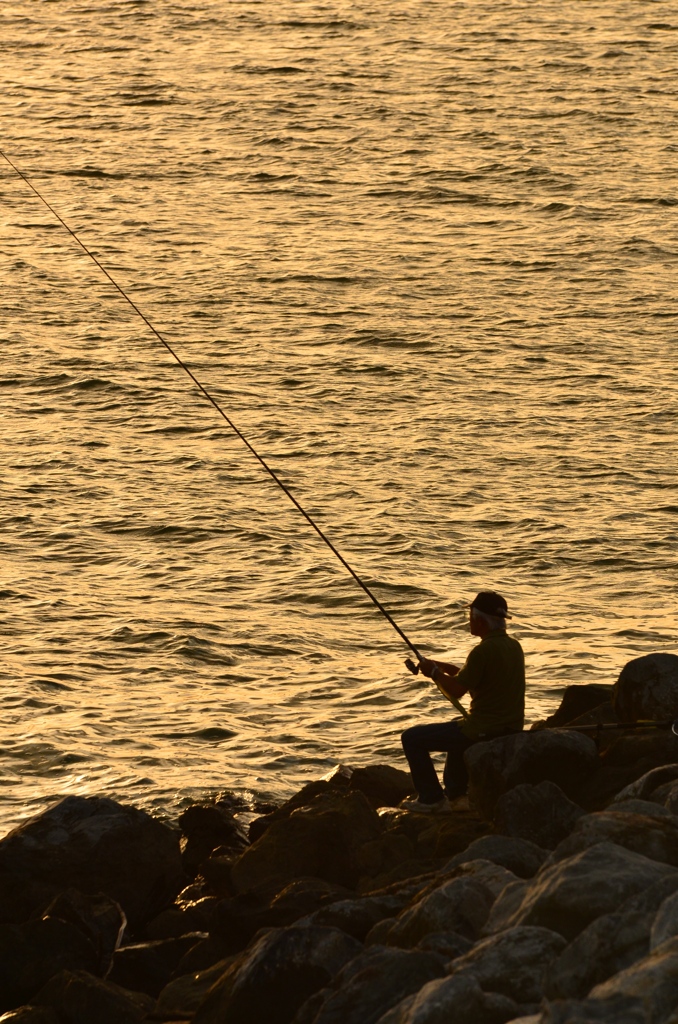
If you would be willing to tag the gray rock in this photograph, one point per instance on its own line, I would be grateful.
(276, 975)
(646, 807)
(460, 904)
(651, 982)
(370, 985)
(457, 999)
(552, 755)
(566, 896)
(513, 963)
(79, 998)
(647, 688)
(383, 785)
(609, 944)
(95, 845)
(520, 856)
(665, 923)
(653, 837)
(541, 814)
(98, 917)
(358, 916)
(644, 787)
(505, 908)
(577, 700)
(449, 945)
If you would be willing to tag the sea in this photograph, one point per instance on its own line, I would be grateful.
(425, 258)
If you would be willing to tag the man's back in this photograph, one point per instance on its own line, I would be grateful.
(494, 675)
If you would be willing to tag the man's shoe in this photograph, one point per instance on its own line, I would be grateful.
(412, 803)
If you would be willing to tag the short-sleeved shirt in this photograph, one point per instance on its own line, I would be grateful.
(494, 676)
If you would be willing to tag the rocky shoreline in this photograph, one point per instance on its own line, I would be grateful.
(550, 896)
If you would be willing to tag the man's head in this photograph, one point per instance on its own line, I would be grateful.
(488, 612)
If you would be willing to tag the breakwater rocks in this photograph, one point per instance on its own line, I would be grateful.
(551, 899)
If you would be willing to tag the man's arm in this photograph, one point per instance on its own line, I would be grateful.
(444, 676)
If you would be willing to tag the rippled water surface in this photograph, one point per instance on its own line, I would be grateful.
(425, 255)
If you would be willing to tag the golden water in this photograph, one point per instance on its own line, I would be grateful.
(425, 255)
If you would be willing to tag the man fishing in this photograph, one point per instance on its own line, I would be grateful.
(494, 676)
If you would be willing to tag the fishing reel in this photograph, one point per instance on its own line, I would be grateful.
(414, 669)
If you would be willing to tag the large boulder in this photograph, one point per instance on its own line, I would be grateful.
(609, 944)
(644, 787)
(566, 896)
(370, 985)
(553, 755)
(514, 962)
(652, 983)
(383, 785)
(206, 827)
(183, 995)
(31, 953)
(647, 688)
(653, 837)
(577, 700)
(322, 840)
(665, 922)
(98, 917)
(357, 916)
(95, 845)
(276, 975)
(541, 814)
(519, 856)
(148, 966)
(457, 999)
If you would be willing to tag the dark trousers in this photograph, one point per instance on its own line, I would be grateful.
(419, 741)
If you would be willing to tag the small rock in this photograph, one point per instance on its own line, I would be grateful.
(356, 917)
(148, 966)
(647, 688)
(79, 998)
(207, 827)
(370, 985)
(514, 962)
(383, 785)
(320, 840)
(182, 996)
(552, 755)
(520, 856)
(541, 814)
(334, 782)
(97, 846)
(278, 973)
(98, 917)
(653, 837)
(566, 896)
(643, 787)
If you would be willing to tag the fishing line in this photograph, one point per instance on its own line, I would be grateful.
(375, 600)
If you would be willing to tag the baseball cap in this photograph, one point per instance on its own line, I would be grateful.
(491, 603)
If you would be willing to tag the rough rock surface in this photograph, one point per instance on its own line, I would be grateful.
(79, 998)
(647, 688)
(98, 917)
(321, 840)
(32, 953)
(276, 975)
(95, 845)
(551, 755)
(181, 997)
(457, 999)
(566, 896)
(653, 837)
(460, 904)
(609, 944)
(370, 985)
(206, 827)
(541, 814)
(644, 787)
(651, 982)
(520, 856)
(148, 966)
(514, 962)
(356, 917)
(665, 923)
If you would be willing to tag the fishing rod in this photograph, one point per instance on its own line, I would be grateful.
(414, 668)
